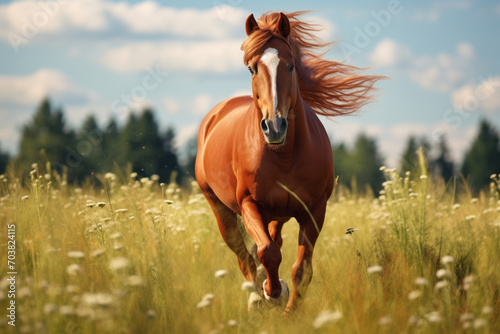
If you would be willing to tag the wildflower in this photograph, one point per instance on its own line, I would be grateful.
(90, 205)
(133, 175)
(466, 317)
(325, 317)
(24, 198)
(76, 255)
(119, 263)
(169, 202)
(205, 301)
(421, 281)
(250, 286)
(468, 281)
(121, 210)
(443, 273)
(232, 323)
(151, 314)
(414, 294)
(466, 325)
(487, 310)
(423, 177)
(74, 269)
(480, 322)
(117, 246)
(49, 308)
(447, 259)
(474, 200)
(134, 280)
(155, 177)
(382, 168)
(220, 273)
(24, 292)
(97, 299)
(471, 217)
(384, 321)
(110, 176)
(374, 269)
(455, 206)
(98, 252)
(441, 284)
(116, 235)
(66, 310)
(101, 204)
(434, 317)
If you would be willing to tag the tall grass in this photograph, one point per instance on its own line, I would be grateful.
(140, 257)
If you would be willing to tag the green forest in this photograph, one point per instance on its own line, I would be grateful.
(91, 150)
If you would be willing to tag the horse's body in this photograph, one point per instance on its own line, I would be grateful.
(248, 147)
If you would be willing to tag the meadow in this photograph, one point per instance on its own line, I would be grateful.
(137, 256)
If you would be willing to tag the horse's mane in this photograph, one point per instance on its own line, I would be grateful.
(330, 88)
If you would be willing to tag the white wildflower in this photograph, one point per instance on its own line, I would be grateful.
(98, 252)
(441, 284)
(474, 200)
(434, 317)
(49, 308)
(326, 317)
(447, 259)
(470, 217)
(443, 273)
(248, 286)
(134, 280)
(119, 263)
(384, 321)
(232, 323)
(423, 177)
(421, 281)
(74, 269)
(97, 299)
(480, 322)
(24, 198)
(101, 204)
(374, 269)
(414, 294)
(76, 255)
(220, 273)
(466, 317)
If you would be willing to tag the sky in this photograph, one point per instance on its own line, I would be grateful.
(181, 58)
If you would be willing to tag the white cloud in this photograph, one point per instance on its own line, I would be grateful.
(172, 105)
(440, 72)
(484, 95)
(205, 56)
(30, 89)
(389, 53)
(62, 17)
(185, 133)
(436, 10)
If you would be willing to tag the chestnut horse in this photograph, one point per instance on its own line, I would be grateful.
(268, 157)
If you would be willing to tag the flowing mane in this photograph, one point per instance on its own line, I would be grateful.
(330, 88)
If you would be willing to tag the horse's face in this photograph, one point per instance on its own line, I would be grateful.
(273, 83)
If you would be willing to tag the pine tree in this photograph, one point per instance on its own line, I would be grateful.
(409, 157)
(89, 145)
(483, 158)
(443, 165)
(360, 166)
(48, 132)
(4, 159)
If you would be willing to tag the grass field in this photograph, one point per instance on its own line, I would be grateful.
(139, 257)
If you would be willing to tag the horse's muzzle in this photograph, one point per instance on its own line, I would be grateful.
(274, 130)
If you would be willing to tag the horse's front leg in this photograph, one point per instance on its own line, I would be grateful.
(268, 251)
(302, 269)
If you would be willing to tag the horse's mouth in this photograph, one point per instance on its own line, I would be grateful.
(275, 142)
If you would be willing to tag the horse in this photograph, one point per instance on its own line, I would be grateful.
(267, 157)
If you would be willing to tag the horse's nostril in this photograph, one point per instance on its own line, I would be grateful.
(284, 125)
(264, 127)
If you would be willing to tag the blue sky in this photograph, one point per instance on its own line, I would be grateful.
(181, 58)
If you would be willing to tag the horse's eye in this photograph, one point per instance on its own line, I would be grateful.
(250, 69)
(291, 67)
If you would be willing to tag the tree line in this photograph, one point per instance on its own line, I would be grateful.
(140, 144)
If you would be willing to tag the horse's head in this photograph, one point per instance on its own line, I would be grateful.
(273, 78)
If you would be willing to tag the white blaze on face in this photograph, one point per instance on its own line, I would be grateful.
(271, 60)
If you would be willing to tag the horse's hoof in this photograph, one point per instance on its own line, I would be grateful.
(282, 299)
(255, 302)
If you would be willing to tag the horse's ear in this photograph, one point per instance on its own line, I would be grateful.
(251, 25)
(283, 25)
